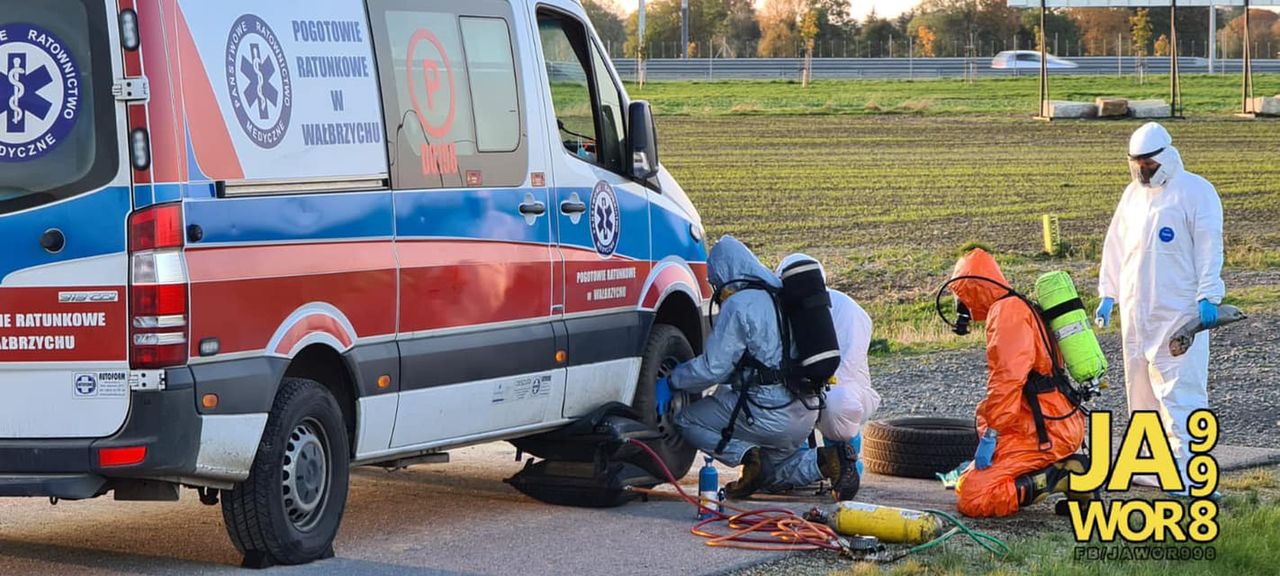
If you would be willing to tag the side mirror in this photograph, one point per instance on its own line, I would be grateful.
(642, 139)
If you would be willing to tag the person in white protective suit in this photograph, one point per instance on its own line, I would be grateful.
(768, 438)
(852, 401)
(1162, 264)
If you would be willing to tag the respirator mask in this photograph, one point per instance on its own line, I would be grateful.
(963, 317)
(1146, 171)
(722, 293)
(960, 327)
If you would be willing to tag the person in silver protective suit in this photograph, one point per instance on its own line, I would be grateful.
(769, 438)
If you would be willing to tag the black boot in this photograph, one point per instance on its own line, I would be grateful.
(839, 464)
(752, 478)
(1077, 464)
(1033, 488)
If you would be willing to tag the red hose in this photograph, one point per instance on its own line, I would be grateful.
(768, 529)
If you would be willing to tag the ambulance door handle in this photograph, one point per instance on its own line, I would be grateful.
(574, 208)
(570, 207)
(533, 208)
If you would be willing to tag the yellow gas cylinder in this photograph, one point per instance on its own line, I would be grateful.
(890, 525)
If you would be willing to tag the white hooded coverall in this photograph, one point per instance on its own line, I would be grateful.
(1162, 255)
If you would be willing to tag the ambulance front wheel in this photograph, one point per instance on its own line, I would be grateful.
(289, 509)
(667, 346)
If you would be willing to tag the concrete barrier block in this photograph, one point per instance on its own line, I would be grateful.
(1267, 106)
(1112, 107)
(1067, 109)
(1149, 109)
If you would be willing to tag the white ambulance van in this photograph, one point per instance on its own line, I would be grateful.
(248, 245)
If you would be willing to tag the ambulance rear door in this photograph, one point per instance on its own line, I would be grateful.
(64, 201)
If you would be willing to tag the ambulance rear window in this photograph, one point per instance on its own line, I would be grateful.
(57, 120)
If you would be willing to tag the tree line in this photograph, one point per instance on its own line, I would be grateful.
(934, 28)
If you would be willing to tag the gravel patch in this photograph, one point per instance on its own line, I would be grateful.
(1244, 382)
(1244, 391)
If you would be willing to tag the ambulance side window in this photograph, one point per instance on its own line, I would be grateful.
(564, 51)
(451, 93)
(613, 137)
(491, 68)
(588, 105)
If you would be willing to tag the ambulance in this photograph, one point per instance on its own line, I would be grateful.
(249, 245)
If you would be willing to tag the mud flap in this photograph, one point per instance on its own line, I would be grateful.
(590, 463)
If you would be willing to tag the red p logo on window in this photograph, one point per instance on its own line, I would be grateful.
(433, 57)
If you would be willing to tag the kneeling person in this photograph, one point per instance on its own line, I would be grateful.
(768, 437)
(1022, 470)
(852, 401)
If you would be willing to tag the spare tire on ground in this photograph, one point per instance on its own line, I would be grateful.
(918, 447)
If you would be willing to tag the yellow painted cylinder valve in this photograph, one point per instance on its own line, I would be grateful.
(890, 525)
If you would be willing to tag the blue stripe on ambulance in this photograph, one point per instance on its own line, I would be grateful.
(307, 217)
(471, 214)
(462, 214)
(633, 240)
(671, 236)
(94, 225)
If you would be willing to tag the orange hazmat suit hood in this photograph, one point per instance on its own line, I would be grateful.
(978, 295)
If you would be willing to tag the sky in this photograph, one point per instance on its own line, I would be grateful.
(885, 8)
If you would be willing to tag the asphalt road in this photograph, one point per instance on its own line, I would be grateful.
(455, 518)
(445, 519)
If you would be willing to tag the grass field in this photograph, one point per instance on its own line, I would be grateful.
(1245, 545)
(886, 201)
(1202, 94)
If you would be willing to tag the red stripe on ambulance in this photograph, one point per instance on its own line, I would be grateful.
(593, 283)
(448, 284)
(56, 326)
(311, 325)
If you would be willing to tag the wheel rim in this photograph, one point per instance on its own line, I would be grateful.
(305, 474)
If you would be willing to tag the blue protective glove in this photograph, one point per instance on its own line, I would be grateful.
(986, 450)
(662, 395)
(1103, 316)
(1208, 313)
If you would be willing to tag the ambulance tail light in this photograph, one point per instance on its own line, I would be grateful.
(158, 324)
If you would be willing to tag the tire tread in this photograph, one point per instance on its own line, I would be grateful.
(918, 447)
(247, 508)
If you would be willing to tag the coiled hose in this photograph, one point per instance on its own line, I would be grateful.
(782, 530)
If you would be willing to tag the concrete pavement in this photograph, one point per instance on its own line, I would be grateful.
(456, 518)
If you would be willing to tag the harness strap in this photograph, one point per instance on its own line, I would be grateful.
(1042, 433)
(1036, 385)
(743, 405)
(726, 434)
(1069, 306)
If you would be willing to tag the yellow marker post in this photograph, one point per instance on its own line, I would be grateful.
(1052, 235)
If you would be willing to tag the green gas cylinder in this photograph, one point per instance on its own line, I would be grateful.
(1069, 322)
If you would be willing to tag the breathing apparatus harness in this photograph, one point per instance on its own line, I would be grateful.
(760, 373)
(1037, 383)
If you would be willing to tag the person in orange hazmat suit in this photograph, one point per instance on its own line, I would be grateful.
(1022, 469)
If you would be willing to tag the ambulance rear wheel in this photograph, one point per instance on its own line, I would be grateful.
(289, 509)
(667, 347)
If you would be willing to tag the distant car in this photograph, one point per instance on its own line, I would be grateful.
(1027, 59)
